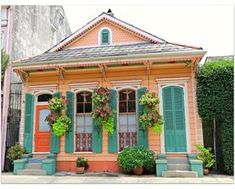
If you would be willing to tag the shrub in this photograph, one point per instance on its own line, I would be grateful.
(215, 101)
(132, 157)
(206, 156)
(15, 152)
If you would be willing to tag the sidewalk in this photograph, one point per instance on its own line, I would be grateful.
(77, 179)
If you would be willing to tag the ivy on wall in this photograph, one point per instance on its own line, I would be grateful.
(215, 101)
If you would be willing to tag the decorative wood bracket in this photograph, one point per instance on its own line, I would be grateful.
(23, 75)
(61, 72)
(103, 70)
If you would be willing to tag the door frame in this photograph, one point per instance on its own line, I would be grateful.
(183, 83)
(36, 103)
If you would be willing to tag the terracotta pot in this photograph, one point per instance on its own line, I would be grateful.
(80, 170)
(205, 171)
(138, 170)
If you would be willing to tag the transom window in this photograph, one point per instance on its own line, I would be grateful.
(127, 118)
(83, 122)
(105, 37)
(44, 97)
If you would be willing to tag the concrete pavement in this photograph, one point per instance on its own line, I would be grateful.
(9, 178)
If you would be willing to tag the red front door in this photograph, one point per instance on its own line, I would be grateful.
(42, 130)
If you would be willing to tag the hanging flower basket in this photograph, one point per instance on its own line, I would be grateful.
(150, 117)
(57, 119)
(103, 114)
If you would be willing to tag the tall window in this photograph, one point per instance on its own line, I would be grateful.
(83, 122)
(127, 118)
(105, 37)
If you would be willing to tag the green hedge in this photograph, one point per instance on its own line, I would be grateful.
(215, 101)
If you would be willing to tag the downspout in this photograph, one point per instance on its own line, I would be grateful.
(6, 89)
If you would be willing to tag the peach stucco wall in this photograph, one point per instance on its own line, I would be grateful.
(119, 36)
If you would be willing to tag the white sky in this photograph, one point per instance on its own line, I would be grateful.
(210, 27)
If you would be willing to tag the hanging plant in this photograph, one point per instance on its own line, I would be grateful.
(103, 114)
(151, 117)
(57, 119)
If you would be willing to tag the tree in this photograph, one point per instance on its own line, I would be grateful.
(4, 63)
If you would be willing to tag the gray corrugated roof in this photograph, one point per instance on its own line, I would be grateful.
(108, 51)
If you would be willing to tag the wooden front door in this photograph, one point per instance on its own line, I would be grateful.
(174, 119)
(42, 130)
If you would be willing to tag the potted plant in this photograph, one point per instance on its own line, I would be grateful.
(138, 170)
(103, 113)
(81, 165)
(207, 158)
(15, 152)
(150, 117)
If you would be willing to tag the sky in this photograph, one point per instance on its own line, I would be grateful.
(206, 26)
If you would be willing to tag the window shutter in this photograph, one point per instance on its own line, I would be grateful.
(105, 36)
(28, 122)
(112, 139)
(96, 137)
(69, 136)
(142, 133)
(55, 140)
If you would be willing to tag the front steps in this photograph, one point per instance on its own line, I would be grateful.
(175, 165)
(33, 167)
(36, 165)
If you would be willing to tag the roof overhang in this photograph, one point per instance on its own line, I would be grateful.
(114, 60)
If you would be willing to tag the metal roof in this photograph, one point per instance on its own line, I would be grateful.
(108, 51)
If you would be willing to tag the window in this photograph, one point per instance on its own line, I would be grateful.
(44, 97)
(105, 37)
(84, 125)
(127, 118)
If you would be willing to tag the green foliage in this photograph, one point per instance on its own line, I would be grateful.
(151, 117)
(15, 152)
(137, 156)
(57, 104)
(57, 118)
(4, 63)
(102, 113)
(206, 156)
(81, 162)
(215, 101)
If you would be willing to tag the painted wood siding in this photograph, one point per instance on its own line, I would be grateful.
(122, 73)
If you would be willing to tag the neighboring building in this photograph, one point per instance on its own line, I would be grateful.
(111, 53)
(217, 58)
(26, 31)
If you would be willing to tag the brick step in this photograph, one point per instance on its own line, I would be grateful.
(33, 165)
(182, 167)
(176, 155)
(177, 160)
(31, 172)
(192, 174)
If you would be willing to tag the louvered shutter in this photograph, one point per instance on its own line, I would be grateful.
(142, 133)
(28, 122)
(69, 136)
(55, 140)
(112, 139)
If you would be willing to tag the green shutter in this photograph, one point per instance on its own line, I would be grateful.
(105, 36)
(112, 139)
(69, 136)
(174, 119)
(142, 133)
(55, 140)
(28, 122)
(96, 137)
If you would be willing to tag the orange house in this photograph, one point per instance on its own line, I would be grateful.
(111, 53)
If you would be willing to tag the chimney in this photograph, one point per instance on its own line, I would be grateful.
(109, 12)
